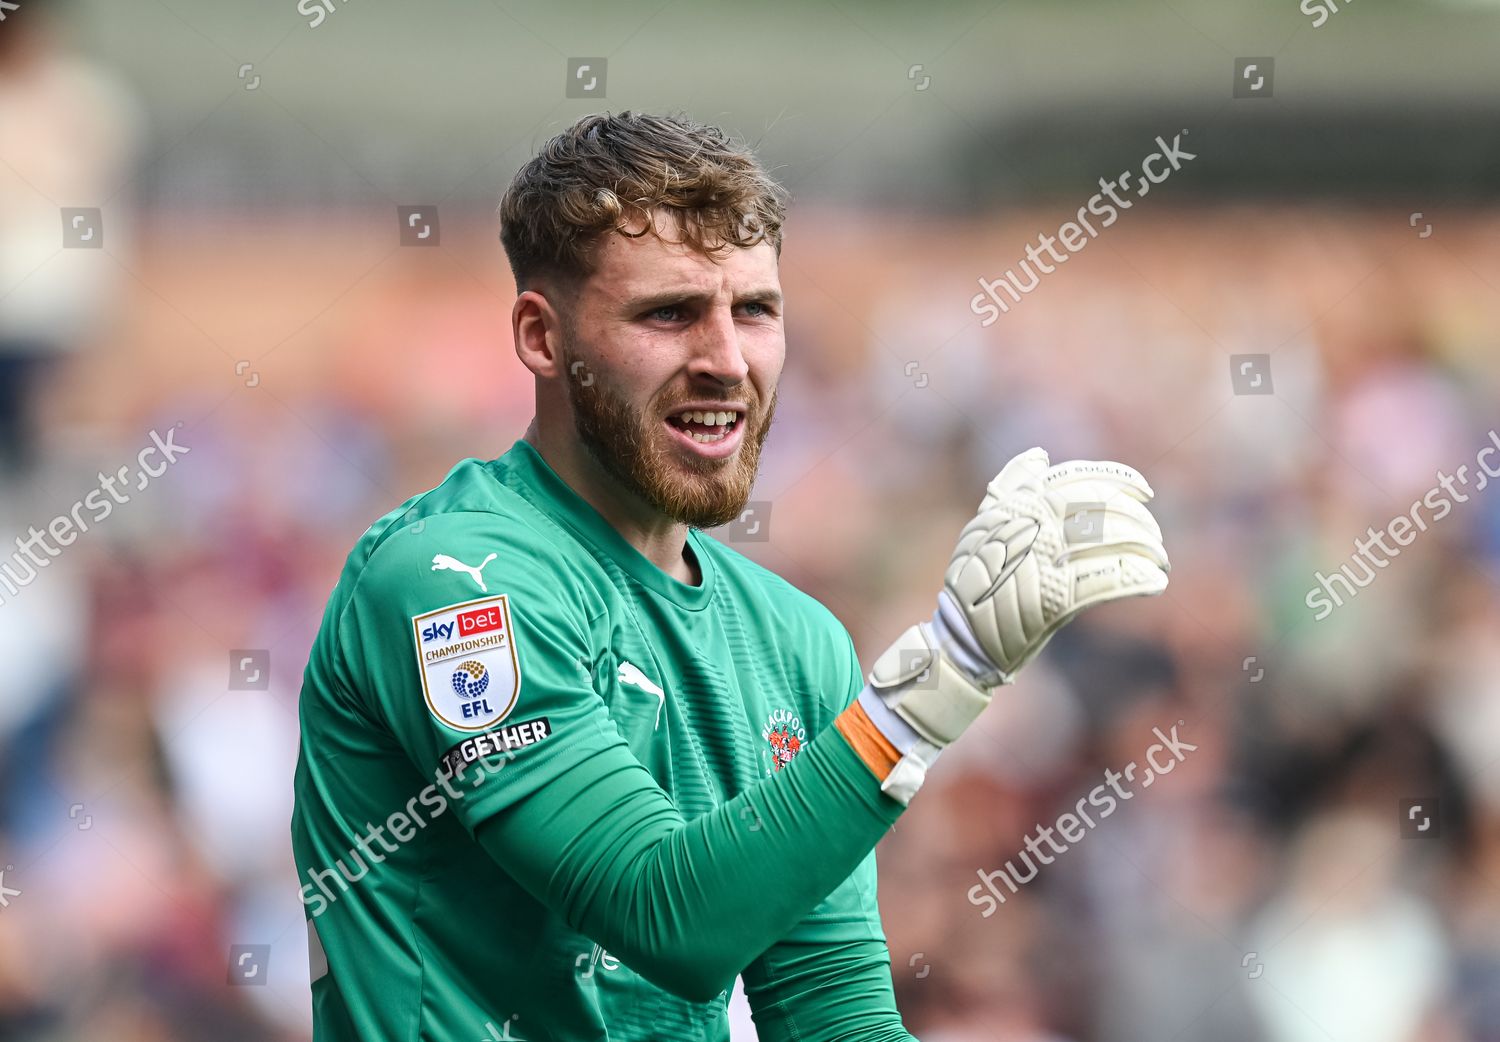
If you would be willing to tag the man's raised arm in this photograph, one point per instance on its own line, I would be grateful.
(581, 824)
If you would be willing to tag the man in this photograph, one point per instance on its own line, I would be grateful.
(569, 765)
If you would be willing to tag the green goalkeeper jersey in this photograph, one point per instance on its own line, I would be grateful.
(547, 791)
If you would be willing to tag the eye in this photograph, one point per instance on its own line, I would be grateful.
(665, 313)
(763, 310)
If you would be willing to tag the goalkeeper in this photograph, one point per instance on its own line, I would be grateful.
(568, 765)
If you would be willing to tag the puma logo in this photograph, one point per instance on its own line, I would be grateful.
(631, 674)
(442, 562)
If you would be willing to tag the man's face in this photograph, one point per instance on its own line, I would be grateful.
(660, 335)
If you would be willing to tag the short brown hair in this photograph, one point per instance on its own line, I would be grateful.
(609, 172)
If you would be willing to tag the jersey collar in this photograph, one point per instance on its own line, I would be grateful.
(554, 496)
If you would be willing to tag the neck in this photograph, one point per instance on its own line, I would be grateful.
(659, 539)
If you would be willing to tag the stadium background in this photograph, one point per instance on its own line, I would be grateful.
(251, 287)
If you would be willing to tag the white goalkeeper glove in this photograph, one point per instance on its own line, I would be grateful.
(1047, 542)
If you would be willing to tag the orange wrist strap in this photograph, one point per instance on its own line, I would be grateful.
(874, 748)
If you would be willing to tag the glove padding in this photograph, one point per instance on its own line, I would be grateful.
(1047, 542)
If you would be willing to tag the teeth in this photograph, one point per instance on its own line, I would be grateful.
(712, 419)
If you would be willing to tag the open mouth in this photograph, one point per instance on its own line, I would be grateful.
(707, 427)
(708, 434)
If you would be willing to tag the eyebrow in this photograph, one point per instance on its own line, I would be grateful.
(650, 302)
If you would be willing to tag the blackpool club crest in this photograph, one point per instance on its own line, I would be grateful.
(786, 736)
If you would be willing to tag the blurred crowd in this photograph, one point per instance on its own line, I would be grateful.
(1269, 888)
(1323, 865)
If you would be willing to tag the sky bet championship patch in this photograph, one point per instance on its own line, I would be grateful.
(470, 673)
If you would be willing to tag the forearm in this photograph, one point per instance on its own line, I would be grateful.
(826, 993)
(690, 904)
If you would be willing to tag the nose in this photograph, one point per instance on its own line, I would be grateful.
(717, 356)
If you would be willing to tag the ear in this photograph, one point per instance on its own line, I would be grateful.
(537, 329)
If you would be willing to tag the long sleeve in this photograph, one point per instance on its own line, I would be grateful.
(829, 978)
(690, 904)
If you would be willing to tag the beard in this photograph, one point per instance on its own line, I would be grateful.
(632, 447)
